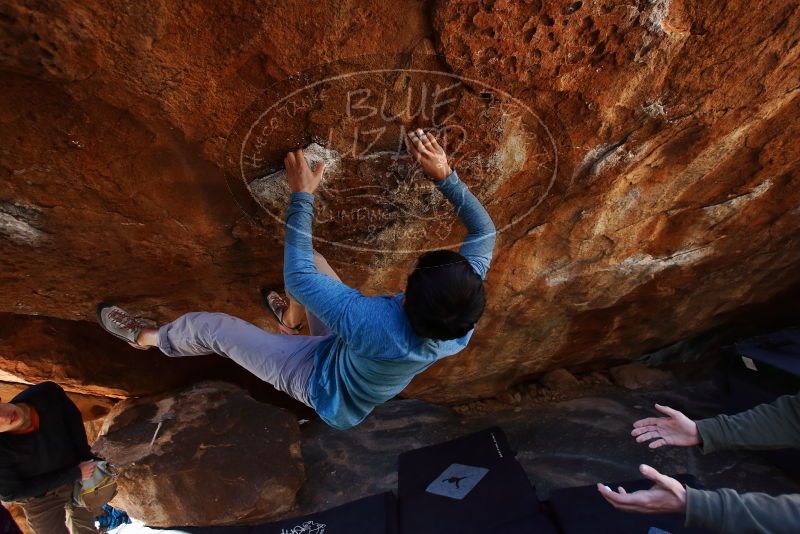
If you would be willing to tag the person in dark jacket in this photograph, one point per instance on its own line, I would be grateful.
(43, 451)
(7, 523)
(768, 426)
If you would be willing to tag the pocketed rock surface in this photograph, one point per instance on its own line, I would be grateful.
(640, 160)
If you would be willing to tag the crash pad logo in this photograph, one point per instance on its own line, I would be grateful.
(354, 115)
(309, 527)
(457, 481)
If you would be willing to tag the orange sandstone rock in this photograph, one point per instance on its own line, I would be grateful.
(640, 159)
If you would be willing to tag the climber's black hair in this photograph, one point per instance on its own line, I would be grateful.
(444, 296)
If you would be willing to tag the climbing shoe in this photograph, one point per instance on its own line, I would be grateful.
(120, 323)
(278, 306)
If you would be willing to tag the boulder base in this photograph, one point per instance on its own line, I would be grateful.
(639, 376)
(207, 455)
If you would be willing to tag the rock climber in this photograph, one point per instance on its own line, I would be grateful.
(361, 351)
(43, 452)
(767, 426)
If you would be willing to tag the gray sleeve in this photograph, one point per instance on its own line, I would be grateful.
(724, 510)
(768, 426)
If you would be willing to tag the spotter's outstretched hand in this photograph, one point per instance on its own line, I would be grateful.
(676, 429)
(667, 496)
(425, 149)
(299, 175)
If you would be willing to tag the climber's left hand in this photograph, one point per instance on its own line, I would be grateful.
(667, 496)
(299, 175)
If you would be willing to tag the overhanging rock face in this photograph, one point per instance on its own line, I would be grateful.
(207, 455)
(639, 159)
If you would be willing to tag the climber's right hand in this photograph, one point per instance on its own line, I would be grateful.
(429, 154)
(299, 175)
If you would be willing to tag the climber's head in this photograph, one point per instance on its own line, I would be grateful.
(444, 296)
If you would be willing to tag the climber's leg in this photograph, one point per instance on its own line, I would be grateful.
(278, 306)
(283, 361)
(296, 310)
(148, 338)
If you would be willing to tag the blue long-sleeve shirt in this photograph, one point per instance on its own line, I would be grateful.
(373, 352)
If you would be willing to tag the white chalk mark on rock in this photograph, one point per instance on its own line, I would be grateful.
(655, 109)
(655, 21)
(273, 189)
(512, 151)
(632, 266)
(724, 209)
(17, 223)
(647, 264)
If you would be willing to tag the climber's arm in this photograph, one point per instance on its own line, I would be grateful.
(342, 308)
(479, 243)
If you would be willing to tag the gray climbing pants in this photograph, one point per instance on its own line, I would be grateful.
(282, 360)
